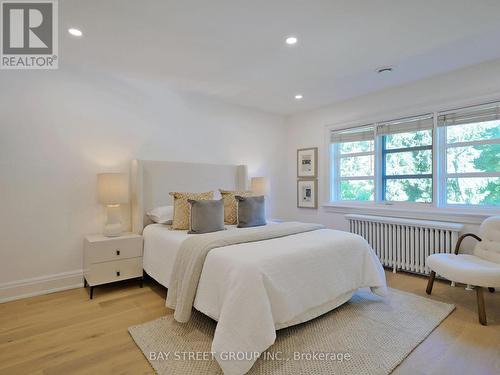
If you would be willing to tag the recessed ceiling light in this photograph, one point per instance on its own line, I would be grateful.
(385, 69)
(75, 32)
(298, 96)
(291, 40)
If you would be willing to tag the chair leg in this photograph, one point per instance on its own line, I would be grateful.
(481, 310)
(430, 283)
(492, 290)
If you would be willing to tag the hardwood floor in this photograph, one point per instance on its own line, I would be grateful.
(65, 333)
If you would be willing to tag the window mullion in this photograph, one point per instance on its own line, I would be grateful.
(356, 178)
(407, 176)
(337, 173)
(378, 169)
(383, 182)
(407, 149)
(481, 142)
(355, 154)
(437, 151)
(473, 175)
(441, 178)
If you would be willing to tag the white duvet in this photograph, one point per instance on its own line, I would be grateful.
(252, 289)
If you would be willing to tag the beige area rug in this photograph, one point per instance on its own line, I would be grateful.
(367, 335)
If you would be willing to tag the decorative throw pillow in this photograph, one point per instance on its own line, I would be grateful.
(182, 208)
(251, 211)
(206, 216)
(231, 205)
(162, 214)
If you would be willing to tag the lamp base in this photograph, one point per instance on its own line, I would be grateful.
(113, 226)
(113, 230)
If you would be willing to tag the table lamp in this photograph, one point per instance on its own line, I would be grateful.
(260, 186)
(113, 190)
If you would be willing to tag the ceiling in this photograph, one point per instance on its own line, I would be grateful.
(234, 50)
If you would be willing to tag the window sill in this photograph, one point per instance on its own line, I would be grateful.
(457, 215)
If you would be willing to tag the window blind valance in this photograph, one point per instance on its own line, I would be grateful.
(363, 133)
(410, 124)
(489, 112)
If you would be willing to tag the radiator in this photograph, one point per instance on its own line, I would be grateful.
(405, 244)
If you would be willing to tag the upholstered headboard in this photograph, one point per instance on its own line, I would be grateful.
(151, 182)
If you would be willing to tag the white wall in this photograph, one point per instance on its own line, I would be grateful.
(58, 129)
(480, 82)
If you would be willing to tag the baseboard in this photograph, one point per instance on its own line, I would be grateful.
(40, 285)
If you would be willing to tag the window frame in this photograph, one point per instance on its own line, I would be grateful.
(337, 179)
(385, 176)
(439, 171)
(445, 175)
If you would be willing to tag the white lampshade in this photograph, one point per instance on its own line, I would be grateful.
(112, 188)
(260, 186)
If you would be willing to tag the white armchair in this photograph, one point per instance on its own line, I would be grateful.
(482, 269)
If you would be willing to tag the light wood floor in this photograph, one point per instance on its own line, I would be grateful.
(65, 333)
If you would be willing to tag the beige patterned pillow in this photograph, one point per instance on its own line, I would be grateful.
(231, 205)
(182, 208)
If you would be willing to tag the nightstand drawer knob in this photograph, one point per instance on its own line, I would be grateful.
(117, 273)
(117, 252)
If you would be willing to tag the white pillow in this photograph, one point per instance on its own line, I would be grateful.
(162, 214)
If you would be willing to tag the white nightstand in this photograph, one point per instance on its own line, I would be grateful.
(110, 259)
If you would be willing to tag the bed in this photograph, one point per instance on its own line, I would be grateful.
(251, 288)
(160, 249)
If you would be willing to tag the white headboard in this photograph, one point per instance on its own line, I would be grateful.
(152, 181)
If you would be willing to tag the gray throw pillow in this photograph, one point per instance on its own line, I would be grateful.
(251, 211)
(206, 216)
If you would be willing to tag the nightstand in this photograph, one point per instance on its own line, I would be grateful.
(110, 259)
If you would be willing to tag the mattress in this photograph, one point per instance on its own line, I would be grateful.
(161, 245)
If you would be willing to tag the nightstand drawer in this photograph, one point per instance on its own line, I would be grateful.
(116, 249)
(103, 273)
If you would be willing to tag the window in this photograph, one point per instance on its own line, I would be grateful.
(407, 159)
(442, 159)
(472, 142)
(353, 164)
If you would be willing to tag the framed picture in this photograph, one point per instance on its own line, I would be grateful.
(307, 194)
(307, 165)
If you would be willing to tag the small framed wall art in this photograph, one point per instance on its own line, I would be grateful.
(307, 162)
(307, 194)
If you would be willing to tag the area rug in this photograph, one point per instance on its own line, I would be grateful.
(367, 335)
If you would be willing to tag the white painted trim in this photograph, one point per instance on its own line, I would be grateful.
(473, 174)
(40, 285)
(463, 216)
(354, 154)
(436, 164)
(357, 178)
(440, 166)
(480, 142)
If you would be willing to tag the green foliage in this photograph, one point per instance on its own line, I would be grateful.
(490, 160)
(359, 190)
(490, 154)
(418, 190)
(492, 190)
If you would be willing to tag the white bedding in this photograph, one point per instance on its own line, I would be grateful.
(160, 248)
(252, 289)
